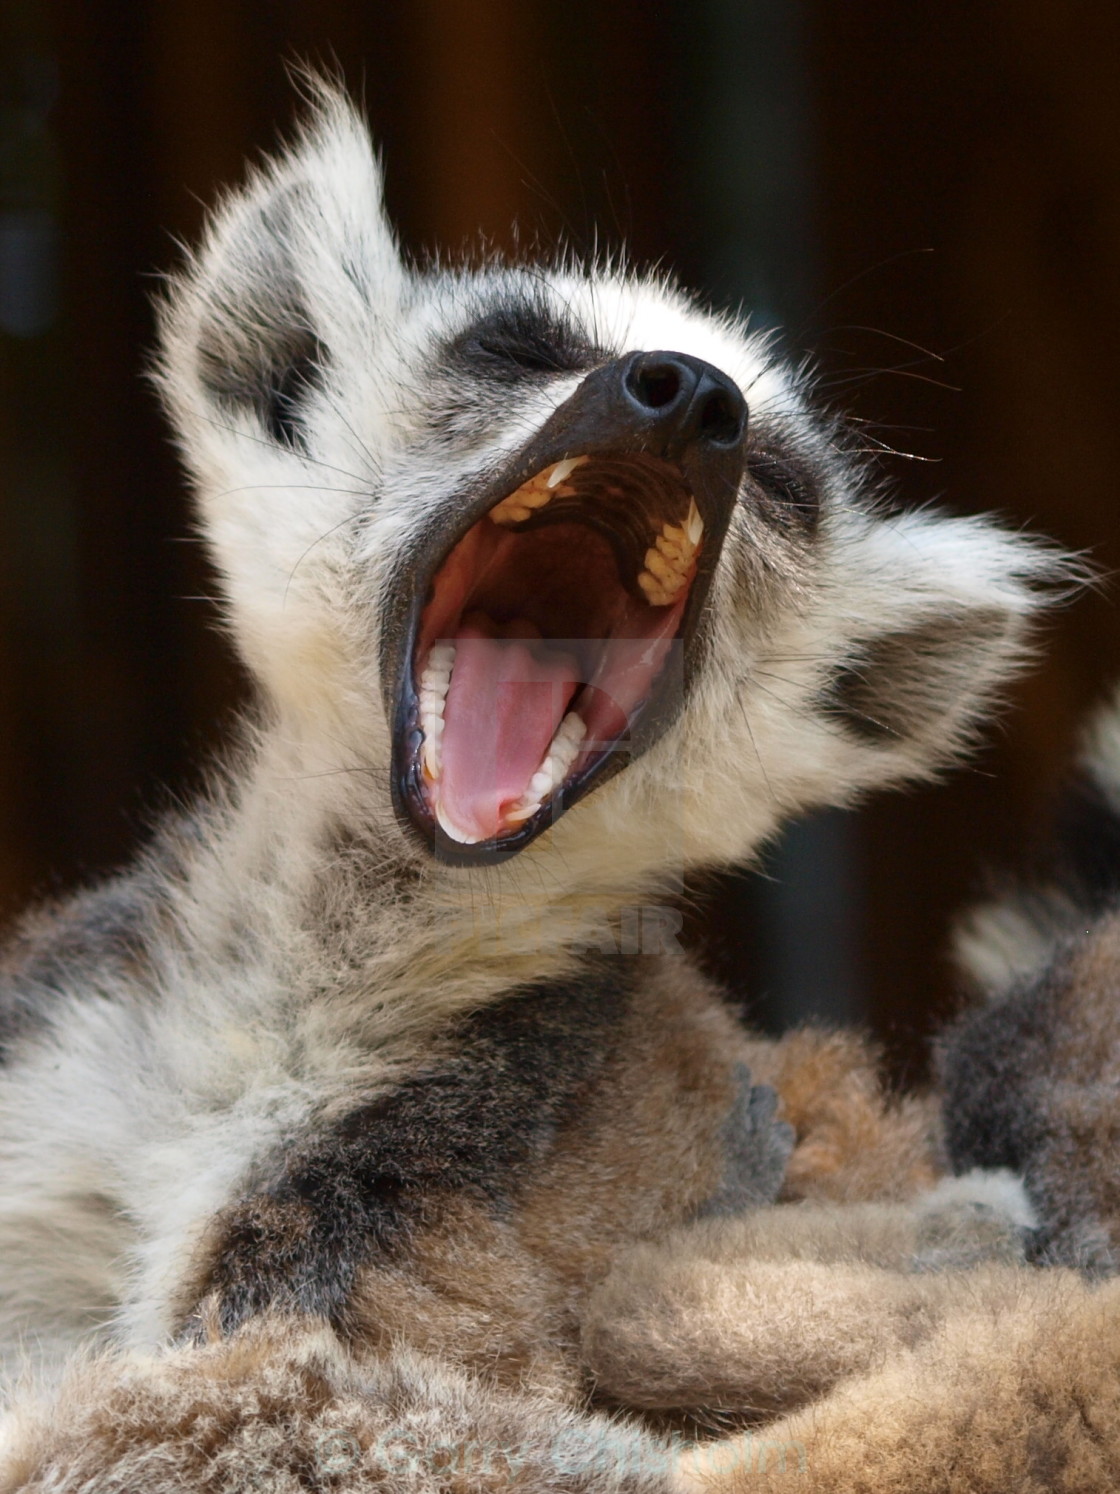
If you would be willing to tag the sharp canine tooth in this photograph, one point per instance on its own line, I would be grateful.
(694, 524)
(564, 469)
(516, 507)
(462, 836)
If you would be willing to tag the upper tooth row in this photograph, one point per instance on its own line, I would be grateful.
(535, 493)
(434, 682)
(670, 557)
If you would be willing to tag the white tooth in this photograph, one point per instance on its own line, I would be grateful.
(464, 837)
(694, 524)
(435, 680)
(564, 469)
(562, 753)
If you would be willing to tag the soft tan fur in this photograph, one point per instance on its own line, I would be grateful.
(760, 1315)
(283, 1407)
(1015, 1395)
(855, 1140)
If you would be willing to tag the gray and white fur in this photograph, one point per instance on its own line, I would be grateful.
(212, 1063)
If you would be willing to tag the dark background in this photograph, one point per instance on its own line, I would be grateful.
(927, 197)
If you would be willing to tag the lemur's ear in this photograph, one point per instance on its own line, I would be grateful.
(293, 270)
(276, 365)
(938, 620)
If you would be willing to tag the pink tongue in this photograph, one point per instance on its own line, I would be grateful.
(506, 698)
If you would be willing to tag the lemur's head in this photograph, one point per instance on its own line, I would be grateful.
(519, 542)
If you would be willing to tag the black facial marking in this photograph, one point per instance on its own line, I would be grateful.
(899, 685)
(257, 348)
(790, 494)
(272, 379)
(521, 337)
(473, 1125)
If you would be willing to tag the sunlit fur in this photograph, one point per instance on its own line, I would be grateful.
(286, 946)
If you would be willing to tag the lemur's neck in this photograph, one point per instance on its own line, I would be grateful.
(319, 852)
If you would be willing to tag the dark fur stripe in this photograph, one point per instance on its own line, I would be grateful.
(992, 1062)
(1087, 834)
(473, 1125)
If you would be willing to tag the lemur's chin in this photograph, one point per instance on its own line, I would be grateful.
(553, 630)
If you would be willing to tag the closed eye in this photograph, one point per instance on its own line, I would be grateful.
(535, 356)
(520, 338)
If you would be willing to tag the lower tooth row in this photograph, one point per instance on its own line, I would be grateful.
(551, 774)
(434, 682)
(562, 752)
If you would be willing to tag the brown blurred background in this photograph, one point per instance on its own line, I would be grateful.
(926, 197)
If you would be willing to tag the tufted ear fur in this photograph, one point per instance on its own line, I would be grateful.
(937, 615)
(907, 627)
(289, 303)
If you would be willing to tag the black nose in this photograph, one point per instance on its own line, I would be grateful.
(684, 400)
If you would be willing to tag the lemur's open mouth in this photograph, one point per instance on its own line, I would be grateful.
(552, 639)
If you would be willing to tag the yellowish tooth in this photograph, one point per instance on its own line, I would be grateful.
(534, 497)
(655, 593)
(657, 563)
(674, 534)
(509, 513)
(694, 524)
(668, 547)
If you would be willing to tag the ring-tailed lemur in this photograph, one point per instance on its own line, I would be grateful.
(553, 586)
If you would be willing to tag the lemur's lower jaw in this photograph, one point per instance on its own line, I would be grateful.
(548, 621)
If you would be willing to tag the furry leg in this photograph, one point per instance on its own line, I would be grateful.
(281, 1407)
(1022, 1397)
(763, 1313)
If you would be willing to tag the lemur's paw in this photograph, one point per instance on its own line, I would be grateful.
(981, 1217)
(758, 1147)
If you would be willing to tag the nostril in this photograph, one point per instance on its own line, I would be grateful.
(655, 385)
(721, 417)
